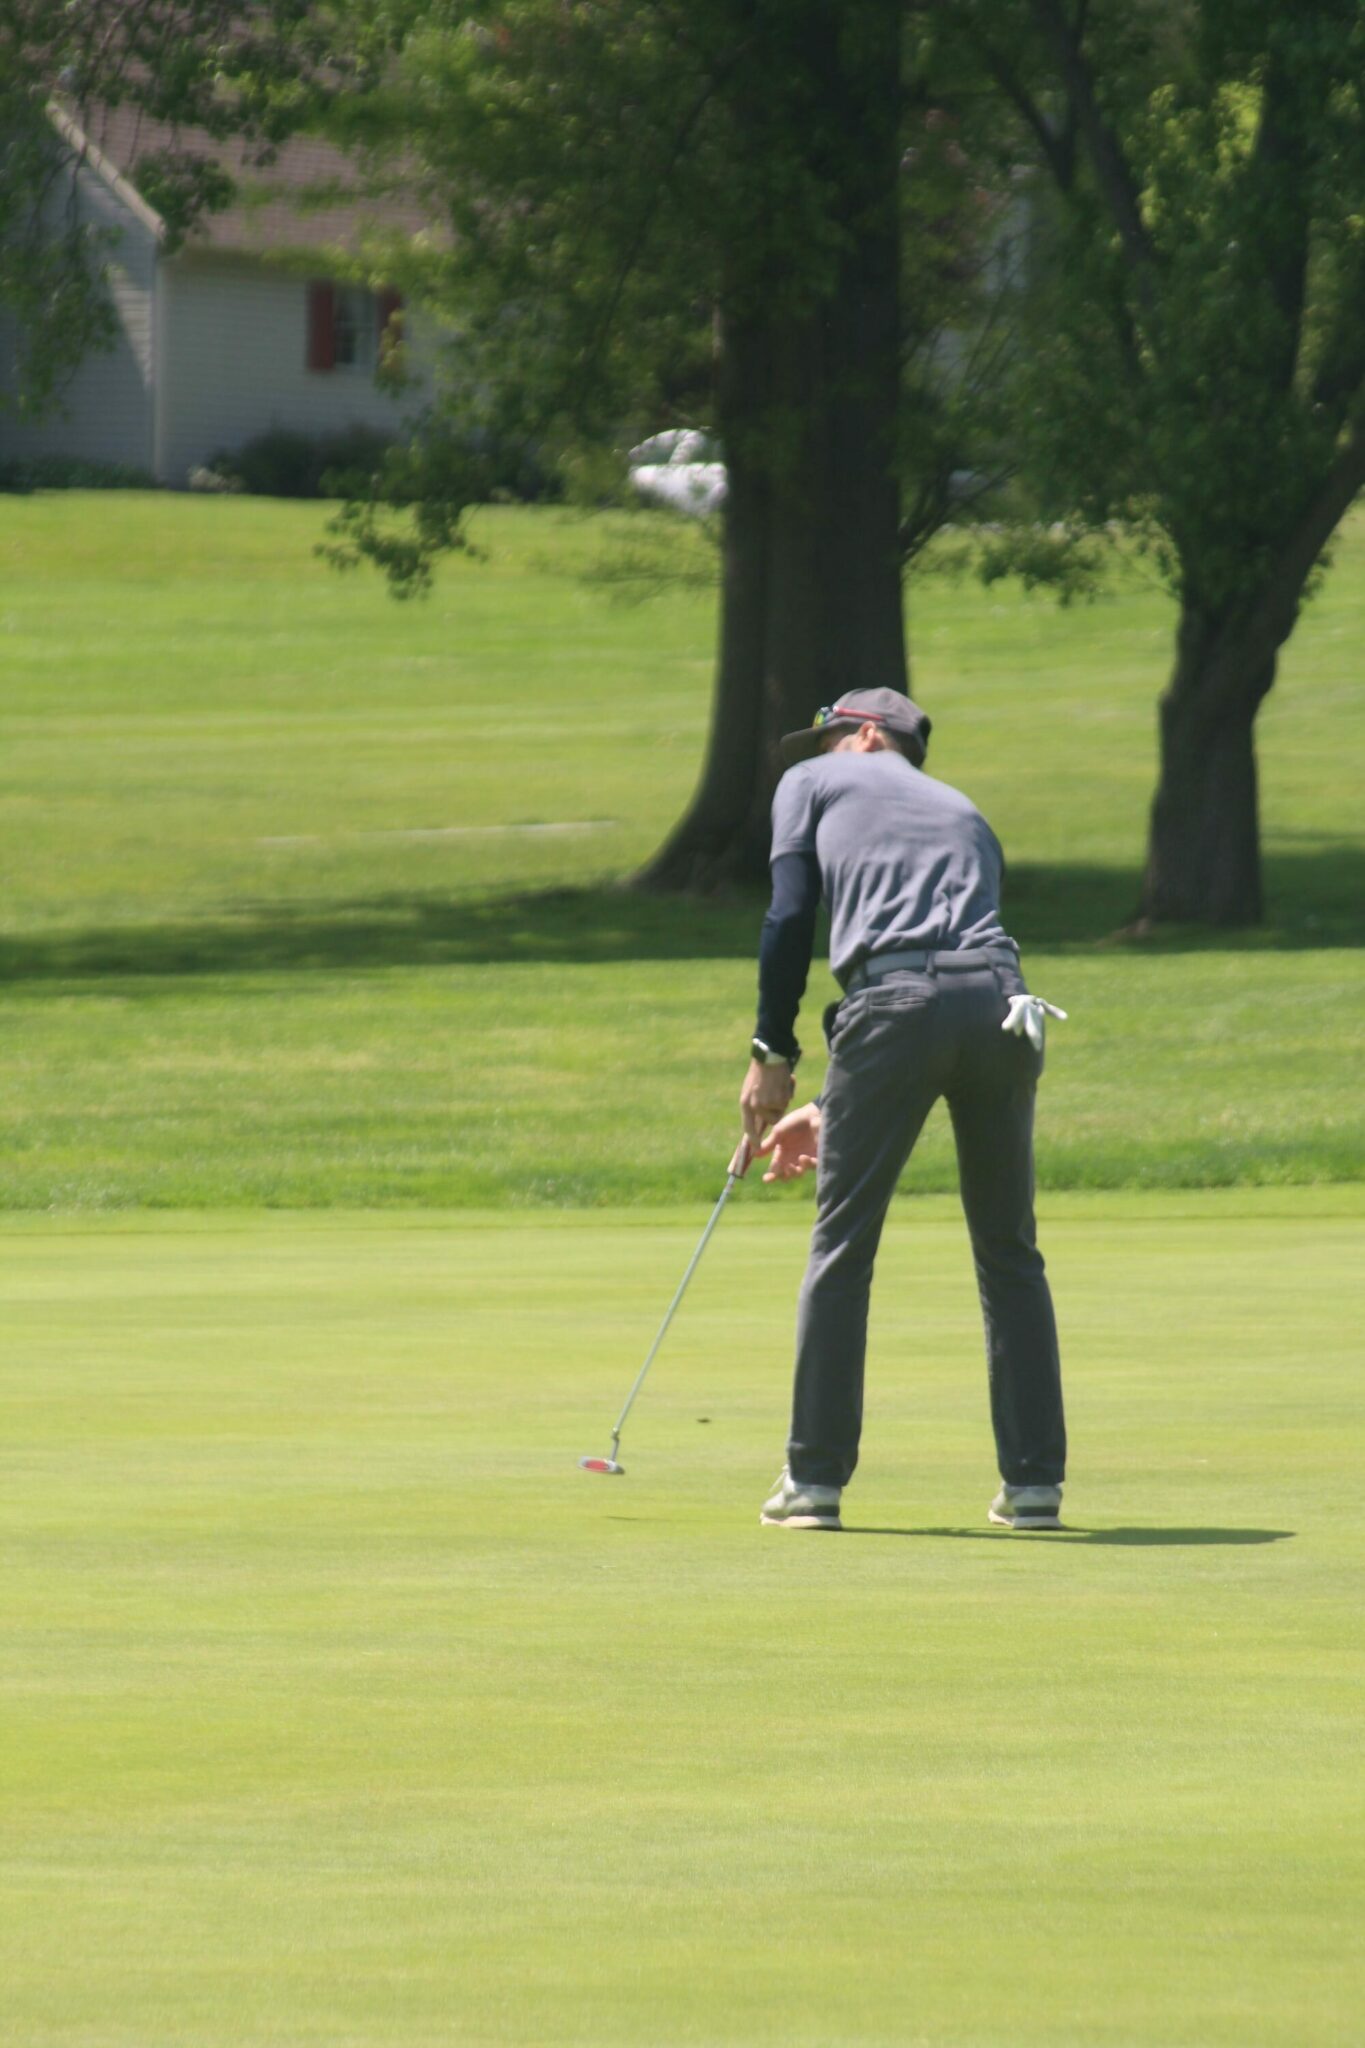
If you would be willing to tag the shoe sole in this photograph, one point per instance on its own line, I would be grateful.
(800, 1522)
(1024, 1523)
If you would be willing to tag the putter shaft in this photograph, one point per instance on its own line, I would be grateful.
(739, 1166)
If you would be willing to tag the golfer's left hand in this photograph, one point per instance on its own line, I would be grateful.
(764, 1097)
(793, 1144)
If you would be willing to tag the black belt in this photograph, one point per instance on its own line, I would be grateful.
(919, 960)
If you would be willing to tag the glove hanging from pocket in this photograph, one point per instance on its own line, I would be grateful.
(1027, 1018)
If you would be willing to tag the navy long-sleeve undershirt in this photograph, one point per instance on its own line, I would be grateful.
(784, 948)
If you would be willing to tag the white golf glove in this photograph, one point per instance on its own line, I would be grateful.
(1026, 1018)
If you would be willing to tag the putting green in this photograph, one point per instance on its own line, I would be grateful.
(340, 1707)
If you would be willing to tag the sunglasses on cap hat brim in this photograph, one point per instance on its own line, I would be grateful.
(839, 714)
(828, 720)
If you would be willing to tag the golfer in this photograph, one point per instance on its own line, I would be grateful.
(934, 1004)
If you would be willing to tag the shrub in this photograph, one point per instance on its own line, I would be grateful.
(282, 463)
(69, 473)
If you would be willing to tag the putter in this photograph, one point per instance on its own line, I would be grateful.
(738, 1167)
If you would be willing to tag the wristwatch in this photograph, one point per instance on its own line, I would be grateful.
(766, 1057)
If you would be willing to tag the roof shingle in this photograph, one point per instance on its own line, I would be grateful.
(310, 196)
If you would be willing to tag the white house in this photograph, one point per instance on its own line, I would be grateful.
(234, 331)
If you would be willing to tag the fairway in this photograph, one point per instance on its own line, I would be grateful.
(315, 900)
(340, 1707)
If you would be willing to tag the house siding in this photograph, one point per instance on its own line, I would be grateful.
(106, 413)
(233, 353)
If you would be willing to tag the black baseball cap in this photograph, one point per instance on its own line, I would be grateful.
(891, 709)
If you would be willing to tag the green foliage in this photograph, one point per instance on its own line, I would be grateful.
(283, 463)
(50, 259)
(617, 186)
(570, 156)
(415, 511)
(1067, 558)
(259, 72)
(1193, 363)
(183, 188)
(68, 473)
(549, 142)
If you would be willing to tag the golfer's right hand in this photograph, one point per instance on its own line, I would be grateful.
(794, 1144)
(766, 1092)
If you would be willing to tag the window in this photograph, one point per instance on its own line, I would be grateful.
(353, 328)
(349, 328)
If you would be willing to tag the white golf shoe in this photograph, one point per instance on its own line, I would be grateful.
(794, 1505)
(1027, 1507)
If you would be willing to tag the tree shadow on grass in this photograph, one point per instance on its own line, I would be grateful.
(571, 926)
(1128, 1539)
(1314, 888)
(1317, 898)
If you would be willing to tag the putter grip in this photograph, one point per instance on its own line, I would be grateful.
(739, 1165)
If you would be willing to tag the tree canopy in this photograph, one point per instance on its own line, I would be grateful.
(649, 203)
(748, 215)
(785, 220)
(1195, 362)
(610, 178)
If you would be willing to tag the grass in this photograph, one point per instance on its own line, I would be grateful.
(338, 1707)
(283, 923)
(342, 1709)
(608, 1083)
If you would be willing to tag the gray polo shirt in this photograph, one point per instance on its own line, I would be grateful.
(904, 860)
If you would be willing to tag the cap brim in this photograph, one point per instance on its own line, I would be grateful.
(804, 745)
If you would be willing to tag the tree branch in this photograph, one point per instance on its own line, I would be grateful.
(655, 195)
(1111, 167)
(1058, 149)
(1341, 367)
(1337, 493)
(1342, 374)
(1269, 620)
(1278, 175)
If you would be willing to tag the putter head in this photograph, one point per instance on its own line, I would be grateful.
(603, 1465)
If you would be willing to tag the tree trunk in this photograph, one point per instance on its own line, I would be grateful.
(1204, 845)
(723, 834)
(811, 601)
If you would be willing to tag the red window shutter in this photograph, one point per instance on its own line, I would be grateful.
(322, 354)
(386, 305)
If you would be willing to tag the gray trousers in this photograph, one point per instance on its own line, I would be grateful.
(896, 1046)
